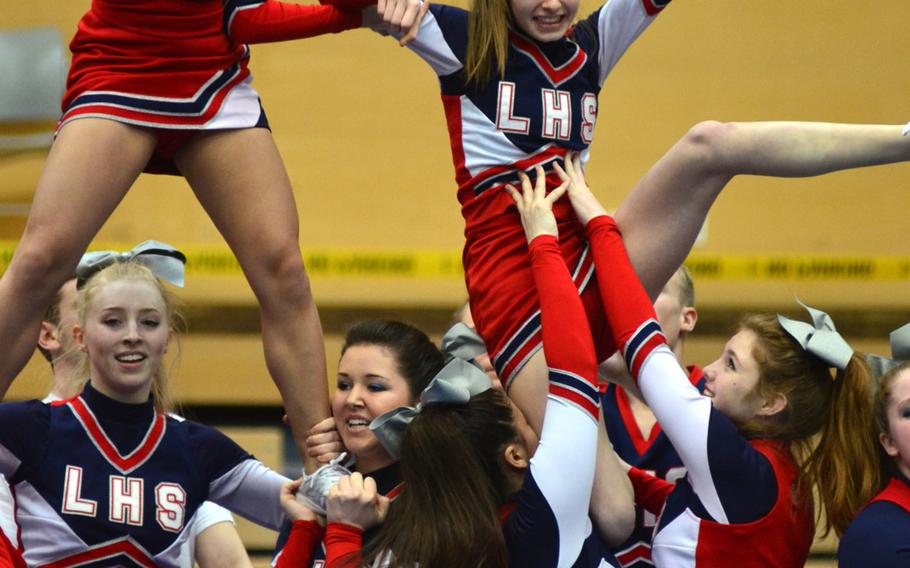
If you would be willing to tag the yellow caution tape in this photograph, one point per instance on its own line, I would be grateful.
(446, 263)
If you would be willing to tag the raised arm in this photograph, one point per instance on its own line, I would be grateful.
(569, 433)
(719, 461)
(616, 25)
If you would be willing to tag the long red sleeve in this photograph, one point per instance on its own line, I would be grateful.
(343, 545)
(630, 312)
(281, 21)
(565, 331)
(349, 4)
(650, 492)
(304, 538)
(9, 556)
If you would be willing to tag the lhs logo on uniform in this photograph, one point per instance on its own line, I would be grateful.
(126, 498)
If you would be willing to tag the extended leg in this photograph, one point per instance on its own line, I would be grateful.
(662, 216)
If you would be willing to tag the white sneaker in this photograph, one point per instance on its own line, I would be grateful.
(314, 491)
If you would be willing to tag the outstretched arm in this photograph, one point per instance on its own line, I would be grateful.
(616, 25)
(719, 460)
(569, 432)
(270, 21)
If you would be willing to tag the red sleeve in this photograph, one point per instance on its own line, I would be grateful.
(629, 311)
(650, 492)
(304, 537)
(565, 331)
(9, 556)
(282, 21)
(349, 4)
(343, 544)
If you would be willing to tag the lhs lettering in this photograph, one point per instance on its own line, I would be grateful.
(557, 114)
(126, 498)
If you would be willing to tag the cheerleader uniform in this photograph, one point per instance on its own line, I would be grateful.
(97, 482)
(208, 515)
(654, 454)
(737, 504)
(180, 66)
(545, 105)
(879, 537)
(546, 524)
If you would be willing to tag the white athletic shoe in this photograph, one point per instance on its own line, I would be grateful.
(314, 491)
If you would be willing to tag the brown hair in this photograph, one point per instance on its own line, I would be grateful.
(880, 404)
(133, 271)
(825, 411)
(451, 456)
(488, 40)
(416, 355)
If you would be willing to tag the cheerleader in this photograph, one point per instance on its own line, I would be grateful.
(878, 537)
(384, 365)
(164, 86)
(519, 81)
(766, 434)
(109, 476)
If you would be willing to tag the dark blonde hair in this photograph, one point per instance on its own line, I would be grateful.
(880, 403)
(826, 413)
(488, 40)
(451, 457)
(120, 271)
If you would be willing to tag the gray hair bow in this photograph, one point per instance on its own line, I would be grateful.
(820, 338)
(900, 352)
(456, 383)
(165, 262)
(463, 342)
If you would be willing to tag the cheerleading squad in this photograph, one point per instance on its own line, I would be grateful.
(497, 451)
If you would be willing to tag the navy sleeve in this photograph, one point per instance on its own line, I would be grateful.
(215, 453)
(879, 536)
(735, 464)
(24, 428)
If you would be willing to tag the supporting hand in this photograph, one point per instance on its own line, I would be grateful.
(294, 509)
(402, 17)
(583, 201)
(323, 442)
(355, 501)
(536, 206)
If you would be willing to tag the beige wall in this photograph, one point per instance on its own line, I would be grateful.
(360, 125)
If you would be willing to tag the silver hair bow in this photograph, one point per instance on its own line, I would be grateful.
(456, 383)
(900, 352)
(820, 338)
(463, 342)
(165, 262)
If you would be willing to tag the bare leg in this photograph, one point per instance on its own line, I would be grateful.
(662, 216)
(90, 167)
(241, 182)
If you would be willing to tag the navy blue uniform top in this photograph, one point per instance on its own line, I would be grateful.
(879, 537)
